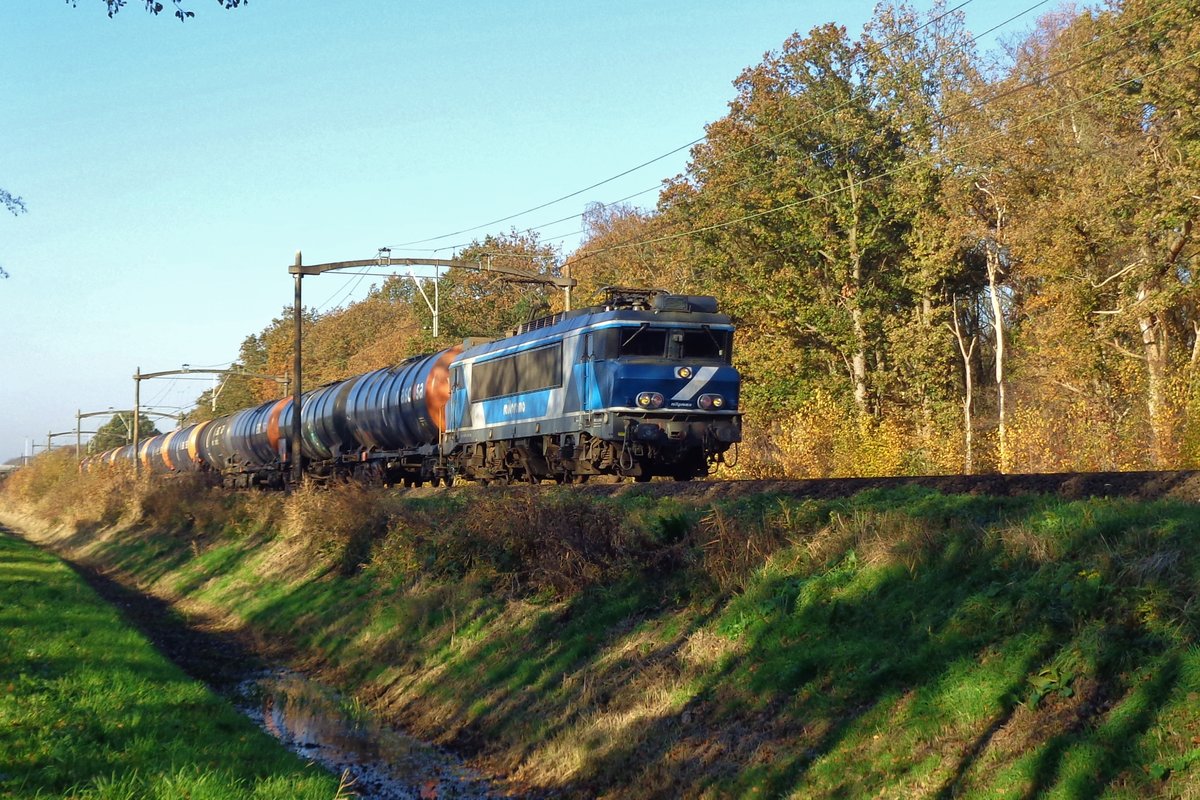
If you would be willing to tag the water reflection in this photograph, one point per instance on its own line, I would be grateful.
(383, 763)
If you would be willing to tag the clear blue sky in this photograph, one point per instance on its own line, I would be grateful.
(172, 170)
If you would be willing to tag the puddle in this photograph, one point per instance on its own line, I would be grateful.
(384, 764)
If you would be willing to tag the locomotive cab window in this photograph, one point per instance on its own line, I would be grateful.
(697, 344)
(705, 344)
(642, 341)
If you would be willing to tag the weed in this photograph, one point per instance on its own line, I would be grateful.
(897, 643)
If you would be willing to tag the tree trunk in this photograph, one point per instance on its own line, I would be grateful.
(858, 360)
(968, 391)
(993, 273)
(1156, 380)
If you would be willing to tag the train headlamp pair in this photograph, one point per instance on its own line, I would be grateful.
(710, 402)
(650, 400)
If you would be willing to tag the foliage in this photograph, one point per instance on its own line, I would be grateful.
(15, 205)
(155, 7)
(118, 432)
(487, 304)
(865, 198)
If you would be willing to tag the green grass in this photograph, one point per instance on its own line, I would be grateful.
(898, 643)
(88, 708)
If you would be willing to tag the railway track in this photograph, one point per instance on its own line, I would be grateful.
(1178, 484)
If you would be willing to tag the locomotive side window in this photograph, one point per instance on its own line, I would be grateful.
(529, 371)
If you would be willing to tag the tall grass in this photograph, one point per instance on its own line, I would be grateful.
(897, 644)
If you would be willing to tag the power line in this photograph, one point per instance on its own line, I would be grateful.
(974, 105)
(888, 173)
(816, 118)
(692, 143)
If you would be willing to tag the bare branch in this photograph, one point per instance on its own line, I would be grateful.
(1117, 274)
(1129, 353)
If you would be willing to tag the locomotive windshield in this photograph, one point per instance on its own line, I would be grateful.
(675, 343)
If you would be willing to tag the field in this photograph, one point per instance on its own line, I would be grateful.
(895, 642)
(89, 709)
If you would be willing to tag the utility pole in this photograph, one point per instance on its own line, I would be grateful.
(297, 366)
(140, 376)
(137, 416)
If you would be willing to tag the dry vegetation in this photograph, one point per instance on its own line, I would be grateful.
(898, 644)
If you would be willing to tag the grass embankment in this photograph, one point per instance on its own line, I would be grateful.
(896, 644)
(89, 709)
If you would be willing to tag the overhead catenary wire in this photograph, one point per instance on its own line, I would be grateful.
(943, 118)
(974, 105)
(562, 238)
(672, 152)
(892, 172)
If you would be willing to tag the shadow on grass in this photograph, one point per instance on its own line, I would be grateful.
(821, 650)
(89, 704)
(884, 661)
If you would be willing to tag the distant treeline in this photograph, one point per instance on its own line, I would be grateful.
(939, 259)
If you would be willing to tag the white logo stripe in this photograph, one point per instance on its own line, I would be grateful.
(698, 382)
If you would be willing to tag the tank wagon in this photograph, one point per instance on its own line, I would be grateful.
(640, 386)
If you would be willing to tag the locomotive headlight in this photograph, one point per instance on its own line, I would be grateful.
(708, 402)
(650, 400)
(683, 372)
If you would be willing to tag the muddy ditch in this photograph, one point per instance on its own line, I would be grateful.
(313, 720)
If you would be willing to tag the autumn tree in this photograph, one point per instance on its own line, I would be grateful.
(622, 247)
(476, 302)
(816, 206)
(118, 432)
(1083, 187)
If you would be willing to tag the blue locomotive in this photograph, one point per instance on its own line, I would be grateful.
(640, 386)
